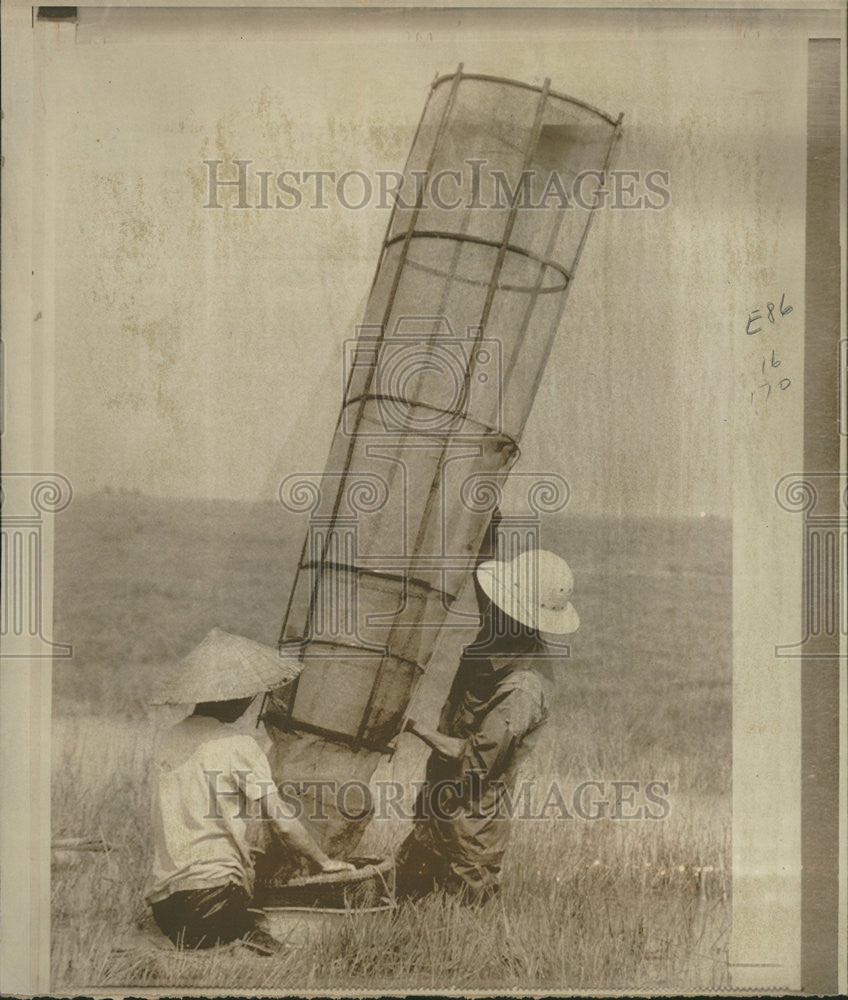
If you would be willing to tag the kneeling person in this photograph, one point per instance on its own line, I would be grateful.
(497, 704)
(211, 783)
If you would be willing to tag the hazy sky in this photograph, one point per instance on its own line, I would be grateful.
(199, 352)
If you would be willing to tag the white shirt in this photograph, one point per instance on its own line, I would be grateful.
(207, 780)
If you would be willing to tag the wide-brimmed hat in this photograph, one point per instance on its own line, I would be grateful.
(534, 588)
(224, 667)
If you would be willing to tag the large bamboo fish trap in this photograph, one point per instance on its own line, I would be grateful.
(466, 302)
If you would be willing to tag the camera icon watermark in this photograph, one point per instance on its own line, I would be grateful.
(423, 380)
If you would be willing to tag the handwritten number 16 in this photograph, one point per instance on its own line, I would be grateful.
(774, 363)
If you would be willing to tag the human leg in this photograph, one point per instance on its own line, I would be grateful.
(418, 869)
(472, 884)
(203, 918)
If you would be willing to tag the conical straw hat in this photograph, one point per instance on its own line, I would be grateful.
(226, 666)
(534, 588)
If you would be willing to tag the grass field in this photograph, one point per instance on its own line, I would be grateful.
(603, 904)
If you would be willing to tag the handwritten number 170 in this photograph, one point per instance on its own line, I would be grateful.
(784, 383)
(773, 362)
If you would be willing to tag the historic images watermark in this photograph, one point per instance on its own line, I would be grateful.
(387, 799)
(420, 396)
(426, 379)
(241, 184)
(822, 499)
(25, 499)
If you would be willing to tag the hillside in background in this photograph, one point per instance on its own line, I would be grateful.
(139, 580)
(645, 696)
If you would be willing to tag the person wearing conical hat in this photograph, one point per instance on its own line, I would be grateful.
(210, 783)
(497, 704)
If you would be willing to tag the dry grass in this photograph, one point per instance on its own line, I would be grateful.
(591, 905)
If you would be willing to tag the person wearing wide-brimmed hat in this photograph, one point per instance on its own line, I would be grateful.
(210, 783)
(497, 704)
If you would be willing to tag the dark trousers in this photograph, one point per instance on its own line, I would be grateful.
(202, 918)
(420, 871)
